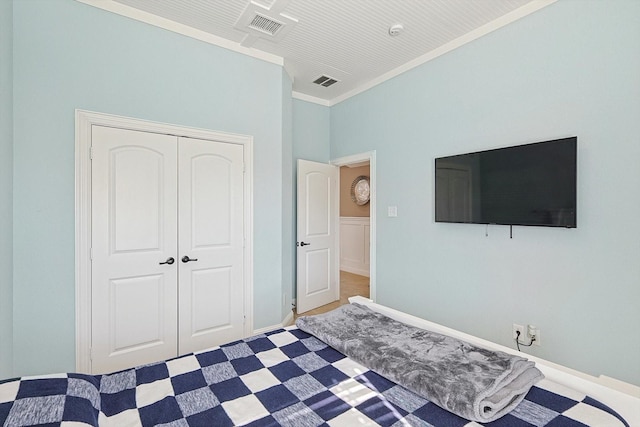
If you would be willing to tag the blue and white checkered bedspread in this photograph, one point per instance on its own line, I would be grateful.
(285, 377)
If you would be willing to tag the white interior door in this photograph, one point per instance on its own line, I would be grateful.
(134, 233)
(318, 277)
(211, 209)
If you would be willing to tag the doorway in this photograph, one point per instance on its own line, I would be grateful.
(355, 161)
(354, 227)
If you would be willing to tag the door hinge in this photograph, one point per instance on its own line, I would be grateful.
(91, 152)
(91, 354)
(91, 254)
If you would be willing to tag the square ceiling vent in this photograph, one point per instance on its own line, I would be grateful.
(325, 81)
(260, 22)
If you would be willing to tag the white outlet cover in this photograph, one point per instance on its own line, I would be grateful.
(538, 341)
(392, 211)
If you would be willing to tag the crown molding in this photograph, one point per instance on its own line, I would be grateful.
(304, 97)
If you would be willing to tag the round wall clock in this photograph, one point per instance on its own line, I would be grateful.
(360, 190)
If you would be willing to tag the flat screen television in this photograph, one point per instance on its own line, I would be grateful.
(531, 184)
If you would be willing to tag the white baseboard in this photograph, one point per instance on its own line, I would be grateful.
(353, 270)
(287, 321)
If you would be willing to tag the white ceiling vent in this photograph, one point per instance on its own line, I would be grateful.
(266, 25)
(259, 22)
(325, 81)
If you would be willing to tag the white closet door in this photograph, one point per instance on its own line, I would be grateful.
(211, 212)
(134, 230)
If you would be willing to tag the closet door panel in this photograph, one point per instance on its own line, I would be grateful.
(134, 217)
(133, 324)
(210, 300)
(211, 193)
(211, 214)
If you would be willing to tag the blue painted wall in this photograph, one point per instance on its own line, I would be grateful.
(572, 68)
(311, 131)
(6, 188)
(68, 55)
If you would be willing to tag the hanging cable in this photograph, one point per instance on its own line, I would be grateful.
(518, 343)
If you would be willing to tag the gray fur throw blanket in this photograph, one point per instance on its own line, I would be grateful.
(469, 381)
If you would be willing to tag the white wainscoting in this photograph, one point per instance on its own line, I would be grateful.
(354, 245)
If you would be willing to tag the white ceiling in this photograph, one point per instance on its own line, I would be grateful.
(347, 40)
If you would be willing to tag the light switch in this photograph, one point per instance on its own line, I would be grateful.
(392, 211)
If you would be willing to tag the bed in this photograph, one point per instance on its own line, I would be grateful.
(283, 377)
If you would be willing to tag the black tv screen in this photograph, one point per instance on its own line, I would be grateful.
(531, 184)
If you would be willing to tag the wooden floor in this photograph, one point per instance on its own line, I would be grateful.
(350, 285)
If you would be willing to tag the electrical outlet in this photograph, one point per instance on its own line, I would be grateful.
(525, 333)
(522, 330)
(533, 330)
